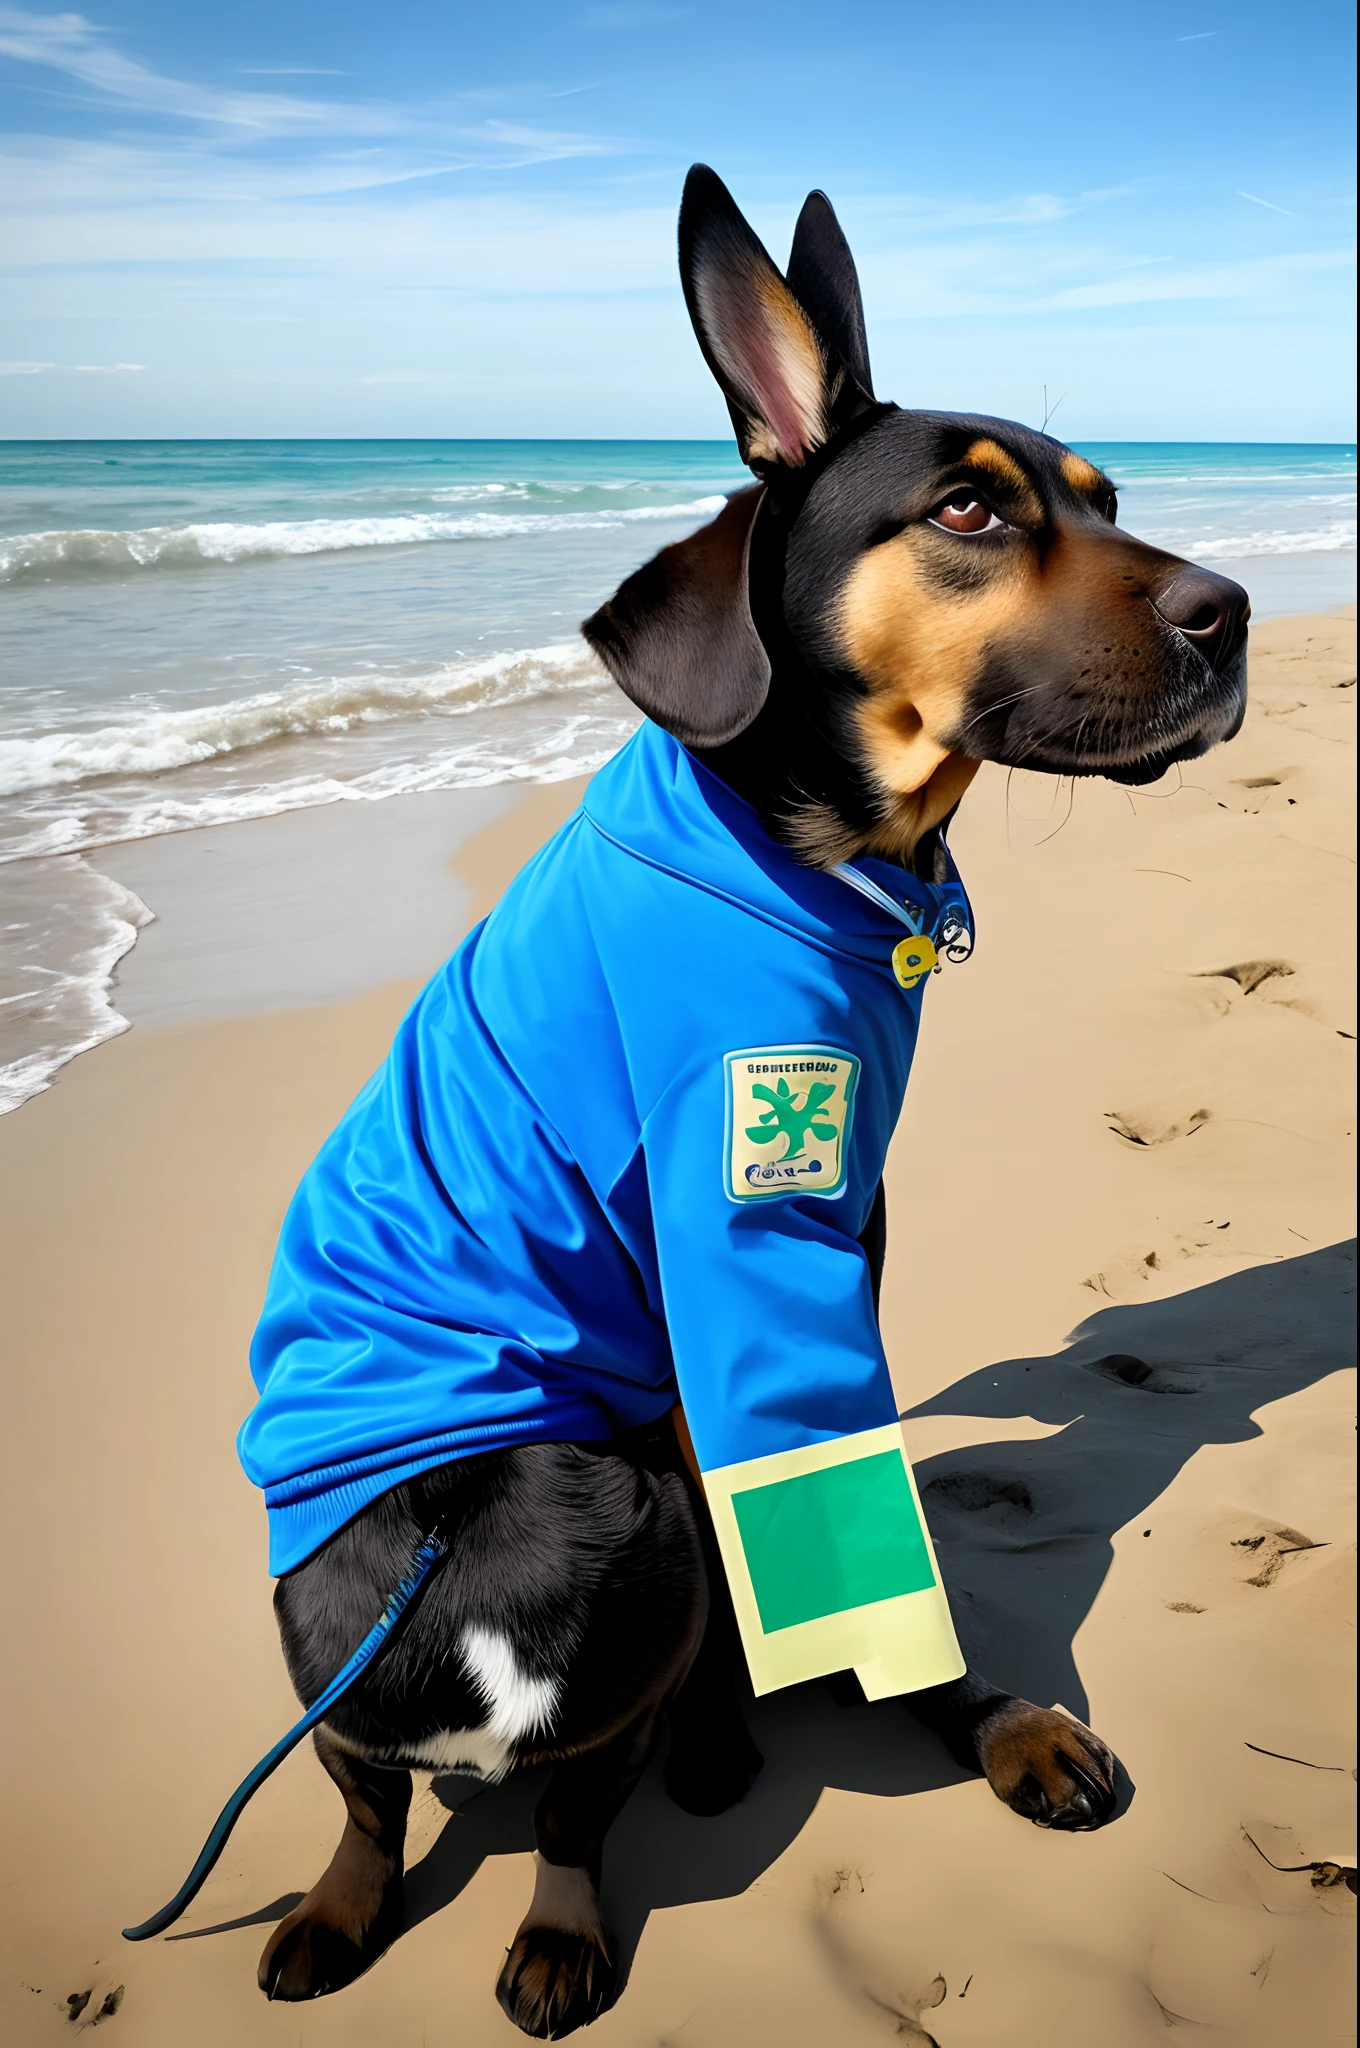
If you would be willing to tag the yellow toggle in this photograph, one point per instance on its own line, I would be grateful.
(913, 958)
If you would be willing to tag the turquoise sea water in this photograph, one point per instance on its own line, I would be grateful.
(196, 632)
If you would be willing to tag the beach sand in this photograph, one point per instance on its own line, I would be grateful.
(1118, 1308)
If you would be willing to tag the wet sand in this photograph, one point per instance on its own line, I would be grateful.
(1119, 1309)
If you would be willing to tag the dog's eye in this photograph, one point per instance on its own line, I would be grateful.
(964, 512)
(1109, 507)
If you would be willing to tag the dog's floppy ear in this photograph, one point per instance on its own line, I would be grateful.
(678, 636)
(756, 338)
(823, 279)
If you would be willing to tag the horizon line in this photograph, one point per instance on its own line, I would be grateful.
(563, 440)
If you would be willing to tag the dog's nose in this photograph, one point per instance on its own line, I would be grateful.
(1211, 611)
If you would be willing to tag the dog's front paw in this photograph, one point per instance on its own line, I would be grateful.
(556, 1980)
(318, 1949)
(1047, 1766)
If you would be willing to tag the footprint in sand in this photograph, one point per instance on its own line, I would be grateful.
(870, 1978)
(1005, 1502)
(1259, 792)
(1130, 1271)
(1123, 1370)
(1249, 975)
(78, 2011)
(1261, 983)
(1149, 1128)
(1268, 1548)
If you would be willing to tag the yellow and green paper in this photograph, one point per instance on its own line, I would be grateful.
(831, 1566)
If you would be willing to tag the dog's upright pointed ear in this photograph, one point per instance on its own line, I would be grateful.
(823, 279)
(678, 636)
(756, 338)
(793, 365)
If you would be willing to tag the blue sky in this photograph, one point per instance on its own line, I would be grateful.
(335, 218)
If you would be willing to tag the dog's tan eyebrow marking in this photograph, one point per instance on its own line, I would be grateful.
(1082, 475)
(995, 461)
(918, 647)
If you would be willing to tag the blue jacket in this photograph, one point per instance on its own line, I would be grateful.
(626, 1139)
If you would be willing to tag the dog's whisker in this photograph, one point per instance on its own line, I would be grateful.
(1071, 782)
(1002, 704)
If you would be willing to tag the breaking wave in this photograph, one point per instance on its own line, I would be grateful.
(148, 742)
(64, 555)
(1316, 540)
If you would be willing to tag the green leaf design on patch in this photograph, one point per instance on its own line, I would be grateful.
(785, 1119)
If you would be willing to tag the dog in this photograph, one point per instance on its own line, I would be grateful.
(900, 596)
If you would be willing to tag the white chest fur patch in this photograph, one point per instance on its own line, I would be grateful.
(517, 1707)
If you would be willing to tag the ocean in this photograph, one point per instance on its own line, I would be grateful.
(193, 633)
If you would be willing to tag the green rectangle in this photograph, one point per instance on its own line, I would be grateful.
(831, 1540)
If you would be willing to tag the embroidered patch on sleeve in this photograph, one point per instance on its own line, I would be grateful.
(788, 1120)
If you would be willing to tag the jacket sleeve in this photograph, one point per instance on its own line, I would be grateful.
(767, 1291)
(769, 1298)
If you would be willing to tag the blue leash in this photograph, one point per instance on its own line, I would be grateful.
(422, 1564)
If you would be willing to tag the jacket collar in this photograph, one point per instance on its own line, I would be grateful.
(658, 803)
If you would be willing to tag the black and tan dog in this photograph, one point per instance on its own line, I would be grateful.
(901, 596)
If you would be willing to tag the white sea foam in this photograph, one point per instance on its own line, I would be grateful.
(149, 741)
(572, 746)
(91, 551)
(1336, 538)
(66, 928)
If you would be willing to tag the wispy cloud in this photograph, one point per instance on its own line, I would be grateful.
(1202, 36)
(69, 369)
(41, 175)
(1269, 204)
(102, 178)
(545, 144)
(1022, 209)
(78, 49)
(70, 44)
(1263, 277)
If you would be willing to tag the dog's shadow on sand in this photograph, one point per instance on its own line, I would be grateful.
(1023, 1532)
